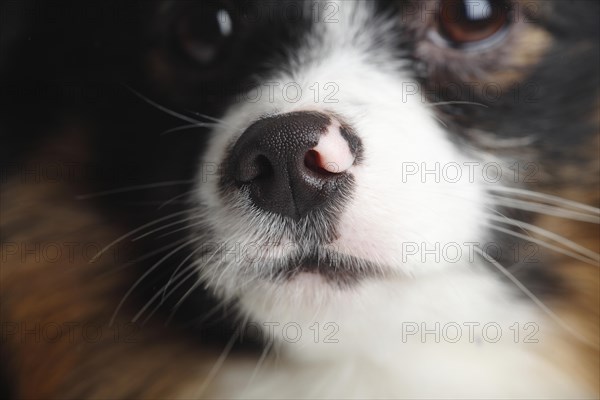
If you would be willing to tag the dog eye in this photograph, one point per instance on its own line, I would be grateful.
(468, 23)
(203, 33)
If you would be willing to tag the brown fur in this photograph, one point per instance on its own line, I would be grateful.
(579, 305)
(42, 292)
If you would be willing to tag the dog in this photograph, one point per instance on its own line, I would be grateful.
(301, 199)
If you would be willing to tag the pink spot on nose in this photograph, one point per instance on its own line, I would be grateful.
(332, 153)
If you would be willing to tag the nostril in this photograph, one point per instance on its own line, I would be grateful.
(264, 167)
(256, 168)
(332, 153)
(313, 161)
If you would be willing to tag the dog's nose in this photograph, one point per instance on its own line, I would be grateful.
(293, 163)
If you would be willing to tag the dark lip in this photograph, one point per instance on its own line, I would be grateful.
(336, 269)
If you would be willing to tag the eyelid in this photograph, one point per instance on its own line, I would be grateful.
(489, 43)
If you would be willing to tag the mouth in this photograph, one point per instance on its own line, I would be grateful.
(303, 258)
(335, 268)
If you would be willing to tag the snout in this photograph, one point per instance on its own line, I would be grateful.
(295, 163)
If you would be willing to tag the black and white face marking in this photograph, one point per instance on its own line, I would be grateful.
(418, 166)
(355, 220)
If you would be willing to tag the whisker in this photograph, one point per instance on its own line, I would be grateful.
(132, 188)
(172, 199)
(222, 305)
(444, 103)
(163, 108)
(208, 117)
(194, 286)
(146, 256)
(545, 209)
(191, 268)
(543, 244)
(260, 361)
(186, 127)
(173, 275)
(438, 119)
(551, 235)
(144, 275)
(547, 197)
(218, 364)
(163, 227)
(201, 222)
(533, 297)
(225, 270)
(505, 218)
(132, 232)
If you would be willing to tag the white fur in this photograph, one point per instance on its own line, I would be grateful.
(372, 359)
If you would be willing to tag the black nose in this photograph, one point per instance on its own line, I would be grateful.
(276, 161)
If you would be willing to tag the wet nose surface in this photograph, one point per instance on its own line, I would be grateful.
(293, 163)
